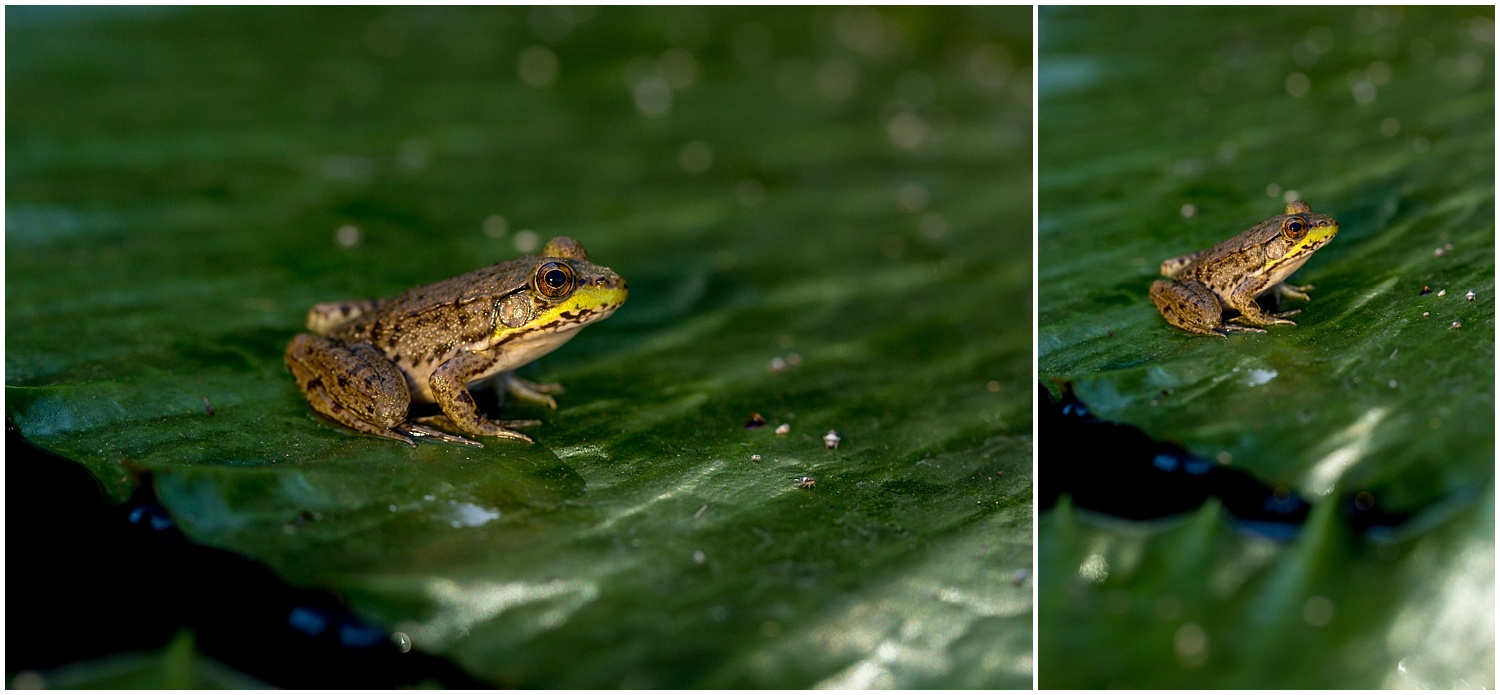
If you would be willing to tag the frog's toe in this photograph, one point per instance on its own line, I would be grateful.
(416, 430)
(399, 436)
(481, 428)
(532, 391)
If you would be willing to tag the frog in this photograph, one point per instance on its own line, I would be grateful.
(1200, 287)
(364, 363)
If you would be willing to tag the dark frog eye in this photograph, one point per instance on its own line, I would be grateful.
(1294, 228)
(554, 279)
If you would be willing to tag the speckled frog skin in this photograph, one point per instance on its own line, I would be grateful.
(1201, 286)
(364, 362)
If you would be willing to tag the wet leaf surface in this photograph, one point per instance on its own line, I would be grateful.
(1384, 119)
(184, 184)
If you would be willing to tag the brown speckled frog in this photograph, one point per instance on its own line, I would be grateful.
(1203, 285)
(366, 361)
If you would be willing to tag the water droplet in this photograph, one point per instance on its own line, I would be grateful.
(348, 236)
(537, 66)
(696, 157)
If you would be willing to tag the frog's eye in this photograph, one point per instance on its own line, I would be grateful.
(554, 279)
(1294, 228)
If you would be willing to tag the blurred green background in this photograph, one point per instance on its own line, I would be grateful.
(844, 193)
(1163, 131)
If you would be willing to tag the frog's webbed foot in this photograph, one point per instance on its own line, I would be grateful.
(482, 427)
(531, 391)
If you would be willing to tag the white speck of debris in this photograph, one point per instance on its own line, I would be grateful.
(701, 510)
(1456, 325)
(832, 439)
(699, 557)
(778, 364)
(526, 241)
(1437, 251)
(495, 226)
(348, 236)
(783, 428)
(1425, 314)
(1393, 383)
(1470, 295)
(1393, 353)
(1256, 377)
(467, 514)
(1442, 293)
(755, 458)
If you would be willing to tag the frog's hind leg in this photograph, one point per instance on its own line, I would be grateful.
(324, 317)
(1171, 266)
(355, 385)
(1190, 306)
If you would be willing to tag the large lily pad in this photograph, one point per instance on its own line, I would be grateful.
(850, 186)
(1165, 131)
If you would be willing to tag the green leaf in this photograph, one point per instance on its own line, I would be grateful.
(178, 666)
(1157, 149)
(178, 185)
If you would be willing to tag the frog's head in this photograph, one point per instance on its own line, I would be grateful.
(563, 293)
(1299, 233)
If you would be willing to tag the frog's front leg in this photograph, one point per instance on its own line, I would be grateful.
(449, 388)
(1252, 315)
(1192, 307)
(354, 384)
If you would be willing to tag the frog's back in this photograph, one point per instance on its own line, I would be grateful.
(426, 323)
